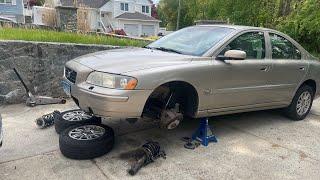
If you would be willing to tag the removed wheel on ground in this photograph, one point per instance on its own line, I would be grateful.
(86, 141)
(74, 117)
(301, 103)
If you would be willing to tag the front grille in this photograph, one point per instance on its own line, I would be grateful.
(70, 74)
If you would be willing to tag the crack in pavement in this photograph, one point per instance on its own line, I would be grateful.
(301, 153)
(31, 156)
(100, 169)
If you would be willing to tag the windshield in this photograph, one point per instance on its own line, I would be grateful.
(192, 40)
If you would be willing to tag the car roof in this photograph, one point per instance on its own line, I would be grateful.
(236, 27)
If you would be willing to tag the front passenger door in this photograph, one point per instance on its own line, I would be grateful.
(241, 83)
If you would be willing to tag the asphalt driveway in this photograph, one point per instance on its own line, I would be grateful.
(257, 145)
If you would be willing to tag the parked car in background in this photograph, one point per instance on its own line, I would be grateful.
(198, 71)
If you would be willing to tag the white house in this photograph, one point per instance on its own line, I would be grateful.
(133, 16)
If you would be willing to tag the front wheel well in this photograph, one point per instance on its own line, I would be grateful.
(167, 95)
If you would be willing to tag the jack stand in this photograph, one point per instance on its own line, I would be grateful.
(204, 133)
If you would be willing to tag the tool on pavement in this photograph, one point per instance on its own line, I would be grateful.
(149, 152)
(33, 100)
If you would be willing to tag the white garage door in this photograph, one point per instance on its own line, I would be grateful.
(131, 29)
(148, 30)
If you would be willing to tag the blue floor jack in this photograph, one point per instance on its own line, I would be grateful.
(204, 135)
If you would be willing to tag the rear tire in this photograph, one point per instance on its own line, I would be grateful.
(86, 141)
(301, 104)
(73, 117)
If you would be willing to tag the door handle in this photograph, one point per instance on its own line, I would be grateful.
(302, 68)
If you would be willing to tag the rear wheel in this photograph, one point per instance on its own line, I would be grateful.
(301, 103)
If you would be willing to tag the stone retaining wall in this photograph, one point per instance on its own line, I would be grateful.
(40, 64)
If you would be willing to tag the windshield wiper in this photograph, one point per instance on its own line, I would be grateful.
(167, 50)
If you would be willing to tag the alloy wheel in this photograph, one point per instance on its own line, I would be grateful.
(86, 132)
(304, 103)
(76, 116)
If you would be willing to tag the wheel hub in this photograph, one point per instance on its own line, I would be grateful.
(76, 116)
(170, 119)
(304, 103)
(86, 132)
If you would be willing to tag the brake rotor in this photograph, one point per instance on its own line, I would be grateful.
(170, 119)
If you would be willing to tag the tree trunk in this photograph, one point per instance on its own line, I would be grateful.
(285, 7)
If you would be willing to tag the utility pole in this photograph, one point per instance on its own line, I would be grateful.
(178, 18)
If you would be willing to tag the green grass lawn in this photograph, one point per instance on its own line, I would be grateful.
(65, 37)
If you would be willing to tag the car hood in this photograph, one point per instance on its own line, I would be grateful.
(131, 59)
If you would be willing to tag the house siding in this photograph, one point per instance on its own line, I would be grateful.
(134, 6)
(14, 12)
(117, 9)
(140, 3)
(112, 9)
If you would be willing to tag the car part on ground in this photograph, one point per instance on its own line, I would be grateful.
(86, 141)
(47, 120)
(192, 145)
(74, 117)
(301, 103)
(33, 100)
(186, 139)
(146, 154)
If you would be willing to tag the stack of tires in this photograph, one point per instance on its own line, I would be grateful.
(82, 136)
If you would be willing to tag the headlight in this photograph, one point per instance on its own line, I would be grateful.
(112, 80)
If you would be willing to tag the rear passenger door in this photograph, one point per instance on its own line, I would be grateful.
(288, 68)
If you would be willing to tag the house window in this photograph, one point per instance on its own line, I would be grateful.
(6, 1)
(124, 6)
(145, 9)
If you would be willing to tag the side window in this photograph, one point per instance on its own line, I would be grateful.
(124, 6)
(283, 48)
(253, 43)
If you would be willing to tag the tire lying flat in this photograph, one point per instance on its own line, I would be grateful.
(72, 118)
(86, 141)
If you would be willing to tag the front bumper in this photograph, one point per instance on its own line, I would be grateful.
(111, 103)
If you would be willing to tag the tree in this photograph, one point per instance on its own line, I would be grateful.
(303, 24)
(298, 18)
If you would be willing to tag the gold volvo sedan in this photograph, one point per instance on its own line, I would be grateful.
(198, 71)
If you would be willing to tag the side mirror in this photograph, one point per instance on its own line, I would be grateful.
(233, 55)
